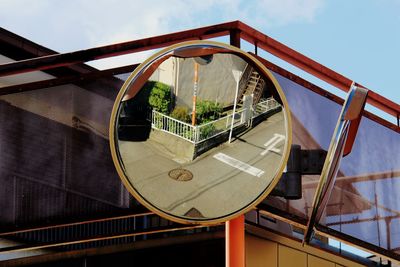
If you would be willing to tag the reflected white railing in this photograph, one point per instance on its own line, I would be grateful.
(200, 133)
(173, 126)
(264, 106)
(219, 126)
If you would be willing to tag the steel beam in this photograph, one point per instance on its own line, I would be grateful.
(311, 66)
(358, 243)
(234, 29)
(31, 247)
(54, 256)
(18, 88)
(67, 59)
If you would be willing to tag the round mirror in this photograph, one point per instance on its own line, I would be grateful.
(200, 132)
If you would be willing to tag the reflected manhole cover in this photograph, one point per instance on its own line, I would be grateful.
(180, 175)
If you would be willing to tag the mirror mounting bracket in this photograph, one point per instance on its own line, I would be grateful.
(300, 162)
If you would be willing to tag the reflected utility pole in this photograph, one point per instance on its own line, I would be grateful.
(195, 87)
(236, 75)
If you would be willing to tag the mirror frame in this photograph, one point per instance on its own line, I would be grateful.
(118, 161)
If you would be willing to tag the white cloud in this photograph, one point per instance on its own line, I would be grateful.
(77, 24)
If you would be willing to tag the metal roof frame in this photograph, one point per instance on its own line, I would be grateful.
(237, 30)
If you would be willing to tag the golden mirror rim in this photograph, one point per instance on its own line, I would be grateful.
(119, 163)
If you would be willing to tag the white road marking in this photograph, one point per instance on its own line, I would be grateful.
(271, 143)
(239, 164)
(276, 150)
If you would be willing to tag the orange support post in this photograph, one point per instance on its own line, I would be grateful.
(234, 242)
(195, 86)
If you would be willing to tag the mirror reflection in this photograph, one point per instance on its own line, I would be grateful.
(201, 133)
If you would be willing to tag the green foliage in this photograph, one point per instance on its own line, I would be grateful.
(158, 121)
(188, 133)
(160, 97)
(181, 113)
(153, 95)
(207, 111)
(207, 131)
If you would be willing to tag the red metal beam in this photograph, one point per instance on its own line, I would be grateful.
(297, 79)
(62, 255)
(50, 245)
(234, 29)
(358, 178)
(293, 57)
(57, 60)
(18, 88)
(307, 64)
(322, 92)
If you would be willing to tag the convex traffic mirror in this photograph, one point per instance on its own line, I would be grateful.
(200, 132)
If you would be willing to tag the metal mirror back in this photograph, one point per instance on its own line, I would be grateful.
(200, 132)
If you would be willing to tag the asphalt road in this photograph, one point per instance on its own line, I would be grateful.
(225, 178)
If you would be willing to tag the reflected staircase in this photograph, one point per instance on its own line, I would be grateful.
(251, 83)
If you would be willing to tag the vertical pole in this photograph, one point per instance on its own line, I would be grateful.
(234, 229)
(388, 238)
(234, 38)
(235, 242)
(236, 75)
(195, 84)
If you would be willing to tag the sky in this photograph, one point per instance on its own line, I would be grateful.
(359, 39)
